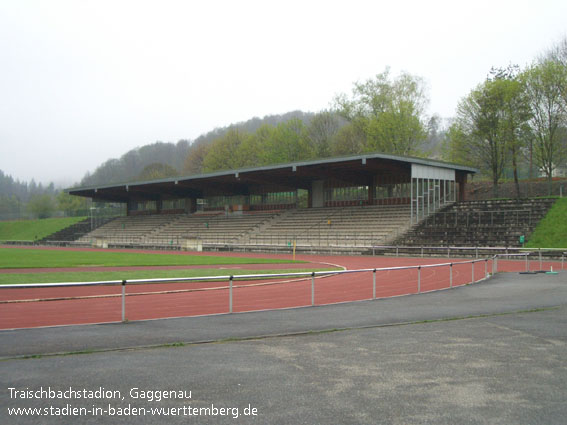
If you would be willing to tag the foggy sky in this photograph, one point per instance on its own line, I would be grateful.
(85, 81)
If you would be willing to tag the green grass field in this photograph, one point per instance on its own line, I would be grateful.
(40, 258)
(37, 258)
(15, 278)
(551, 232)
(29, 230)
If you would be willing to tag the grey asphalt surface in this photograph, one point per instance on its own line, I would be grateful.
(493, 368)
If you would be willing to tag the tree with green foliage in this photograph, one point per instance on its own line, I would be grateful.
(224, 152)
(10, 206)
(288, 143)
(263, 138)
(389, 112)
(321, 132)
(194, 161)
(73, 205)
(157, 170)
(455, 146)
(41, 206)
(546, 83)
(435, 134)
(399, 132)
(129, 166)
(478, 118)
(489, 124)
(349, 140)
(515, 114)
(558, 53)
(249, 153)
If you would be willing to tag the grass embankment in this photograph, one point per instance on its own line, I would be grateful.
(551, 232)
(30, 230)
(35, 258)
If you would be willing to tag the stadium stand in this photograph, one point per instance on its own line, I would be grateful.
(334, 227)
(314, 227)
(488, 223)
(217, 228)
(129, 230)
(70, 233)
(171, 229)
(339, 202)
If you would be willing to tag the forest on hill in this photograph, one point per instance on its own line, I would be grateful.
(384, 114)
(160, 160)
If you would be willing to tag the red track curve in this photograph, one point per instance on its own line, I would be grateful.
(247, 296)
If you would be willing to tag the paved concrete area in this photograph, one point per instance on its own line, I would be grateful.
(495, 368)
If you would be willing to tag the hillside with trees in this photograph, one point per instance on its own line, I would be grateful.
(512, 126)
(33, 200)
(515, 122)
(170, 159)
(17, 197)
(383, 114)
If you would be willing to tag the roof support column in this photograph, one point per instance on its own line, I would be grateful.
(190, 205)
(318, 194)
(462, 181)
(371, 190)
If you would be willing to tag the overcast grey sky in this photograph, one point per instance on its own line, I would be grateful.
(83, 81)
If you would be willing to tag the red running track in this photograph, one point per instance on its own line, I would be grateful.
(207, 298)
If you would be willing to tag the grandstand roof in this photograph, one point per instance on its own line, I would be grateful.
(358, 169)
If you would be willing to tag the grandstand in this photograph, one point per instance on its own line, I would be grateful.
(170, 229)
(489, 223)
(320, 227)
(334, 226)
(337, 202)
(333, 204)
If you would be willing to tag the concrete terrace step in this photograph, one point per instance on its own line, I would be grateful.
(491, 223)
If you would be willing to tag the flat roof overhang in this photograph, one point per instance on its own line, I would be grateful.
(357, 170)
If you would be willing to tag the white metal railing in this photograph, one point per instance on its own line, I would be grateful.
(232, 278)
(456, 250)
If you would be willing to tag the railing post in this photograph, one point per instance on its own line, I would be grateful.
(527, 262)
(123, 301)
(313, 289)
(230, 293)
(419, 279)
(450, 275)
(540, 261)
(472, 271)
(485, 268)
(374, 284)
(496, 271)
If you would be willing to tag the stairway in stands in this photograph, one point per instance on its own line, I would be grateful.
(70, 233)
